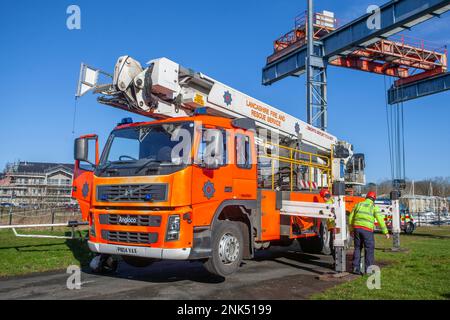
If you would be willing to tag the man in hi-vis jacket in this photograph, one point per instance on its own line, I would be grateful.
(361, 225)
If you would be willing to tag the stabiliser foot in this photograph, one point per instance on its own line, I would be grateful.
(103, 263)
(341, 259)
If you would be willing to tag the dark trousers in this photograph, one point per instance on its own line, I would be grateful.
(363, 239)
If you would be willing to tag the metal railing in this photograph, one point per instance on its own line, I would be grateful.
(319, 20)
(13, 215)
(323, 24)
(295, 159)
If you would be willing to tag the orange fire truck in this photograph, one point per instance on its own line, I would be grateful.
(214, 177)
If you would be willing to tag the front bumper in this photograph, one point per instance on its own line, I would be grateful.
(144, 252)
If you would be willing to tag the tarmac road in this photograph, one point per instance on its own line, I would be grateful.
(277, 273)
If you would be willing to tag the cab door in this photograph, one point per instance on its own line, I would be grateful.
(85, 162)
(211, 185)
(245, 174)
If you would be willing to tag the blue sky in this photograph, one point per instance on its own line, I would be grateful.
(227, 40)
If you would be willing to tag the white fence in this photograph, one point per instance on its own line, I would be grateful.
(431, 218)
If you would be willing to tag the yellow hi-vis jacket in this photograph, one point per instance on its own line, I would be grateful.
(363, 216)
(331, 223)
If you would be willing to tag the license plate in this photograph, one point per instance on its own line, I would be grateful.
(129, 251)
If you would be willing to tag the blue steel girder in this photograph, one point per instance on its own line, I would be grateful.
(419, 89)
(396, 16)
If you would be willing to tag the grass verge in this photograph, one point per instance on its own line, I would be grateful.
(422, 273)
(20, 256)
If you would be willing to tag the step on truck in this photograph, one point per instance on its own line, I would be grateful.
(214, 176)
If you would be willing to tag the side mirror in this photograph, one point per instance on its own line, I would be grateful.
(214, 148)
(81, 149)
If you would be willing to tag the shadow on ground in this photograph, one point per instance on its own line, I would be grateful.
(175, 271)
(425, 235)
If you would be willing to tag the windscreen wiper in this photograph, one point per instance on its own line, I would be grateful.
(108, 164)
(146, 164)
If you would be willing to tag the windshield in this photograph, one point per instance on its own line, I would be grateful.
(147, 150)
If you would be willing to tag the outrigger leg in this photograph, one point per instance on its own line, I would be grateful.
(340, 234)
(103, 263)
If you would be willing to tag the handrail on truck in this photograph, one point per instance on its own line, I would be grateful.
(294, 158)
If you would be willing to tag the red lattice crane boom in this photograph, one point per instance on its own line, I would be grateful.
(404, 57)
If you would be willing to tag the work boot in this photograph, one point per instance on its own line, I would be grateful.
(357, 272)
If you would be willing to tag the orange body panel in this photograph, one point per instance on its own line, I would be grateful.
(351, 201)
(83, 180)
(178, 192)
(270, 217)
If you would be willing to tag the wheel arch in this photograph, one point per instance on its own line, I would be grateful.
(238, 211)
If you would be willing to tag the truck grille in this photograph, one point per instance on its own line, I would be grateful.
(129, 237)
(130, 220)
(132, 193)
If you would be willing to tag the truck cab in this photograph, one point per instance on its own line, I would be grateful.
(158, 187)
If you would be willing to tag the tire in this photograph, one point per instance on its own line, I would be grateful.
(111, 264)
(410, 227)
(319, 244)
(138, 262)
(227, 245)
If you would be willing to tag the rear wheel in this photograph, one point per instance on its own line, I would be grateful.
(319, 244)
(227, 249)
(138, 262)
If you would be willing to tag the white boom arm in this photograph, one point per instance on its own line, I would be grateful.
(166, 90)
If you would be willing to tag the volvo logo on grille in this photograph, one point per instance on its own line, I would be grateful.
(127, 220)
(129, 192)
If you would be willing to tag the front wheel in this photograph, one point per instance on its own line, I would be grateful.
(227, 249)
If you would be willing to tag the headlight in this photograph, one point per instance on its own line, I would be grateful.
(173, 228)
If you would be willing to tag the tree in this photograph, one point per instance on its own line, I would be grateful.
(438, 186)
